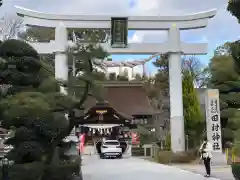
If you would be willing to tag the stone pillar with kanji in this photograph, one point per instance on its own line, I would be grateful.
(213, 122)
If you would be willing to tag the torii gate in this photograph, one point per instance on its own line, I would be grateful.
(175, 48)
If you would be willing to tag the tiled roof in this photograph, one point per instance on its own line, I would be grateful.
(129, 98)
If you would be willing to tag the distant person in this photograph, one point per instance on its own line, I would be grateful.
(206, 155)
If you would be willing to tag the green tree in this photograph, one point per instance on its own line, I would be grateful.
(44, 34)
(31, 112)
(233, 8)
(112, 76)
(137, 77)
(159, 84)
(193, 116)
(123, 76)
(225, 77)
(237, 143)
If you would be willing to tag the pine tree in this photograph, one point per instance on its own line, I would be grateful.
(224, 70)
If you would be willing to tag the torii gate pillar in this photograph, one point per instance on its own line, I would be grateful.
(61, 59)
(175, 86)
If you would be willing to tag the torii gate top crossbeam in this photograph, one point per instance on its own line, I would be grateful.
(192, 21)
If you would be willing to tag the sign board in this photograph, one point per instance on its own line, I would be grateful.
(101, 112)
(119, 32)
(213, 119)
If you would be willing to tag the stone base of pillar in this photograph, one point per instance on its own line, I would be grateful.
(177, 134)
(218, 159)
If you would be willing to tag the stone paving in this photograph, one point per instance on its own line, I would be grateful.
(133, 168)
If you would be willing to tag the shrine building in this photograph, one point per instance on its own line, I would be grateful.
(122, 107)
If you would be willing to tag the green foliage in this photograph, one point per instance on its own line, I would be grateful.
(37, 171)
(137, 77)
(224, 68)
(161, 77)
(28, 171)
(193, 116)
(64, 171)
(31, 104)
(16, 48)
(236, 170)
(20, 65)
(237, 143)
(145, 136)
(167, 144)
(122, 78)
(235, 53)
(112, 76)
(36, 125)
(168, 157)
(43, 34)
(87, 68)
(233, 8)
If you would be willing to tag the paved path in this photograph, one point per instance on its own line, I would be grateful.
(221, 172)
(133, 169)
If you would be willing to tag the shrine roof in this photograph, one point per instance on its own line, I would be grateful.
(127, 98)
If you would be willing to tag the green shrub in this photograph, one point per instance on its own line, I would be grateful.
(167, 157)
(236, 170)
(64, 171)
(167, 144)
(29, 171)
(39, 171)
(17, 48)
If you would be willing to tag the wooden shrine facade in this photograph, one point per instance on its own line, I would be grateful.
(123, 103)
(103, 113)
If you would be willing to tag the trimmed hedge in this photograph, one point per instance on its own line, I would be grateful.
(61, 171)
(29, 171)
(236, 170)
(17, 48)
(39, 171)
(168, 157)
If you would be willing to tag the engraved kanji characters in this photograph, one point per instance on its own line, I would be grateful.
(216, 136)
(215, 127)
(214, 106)
(216, 146)
(214, 117)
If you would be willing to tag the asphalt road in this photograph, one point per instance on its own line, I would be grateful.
(133, 169)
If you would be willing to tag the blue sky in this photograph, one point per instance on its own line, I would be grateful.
(223, 27)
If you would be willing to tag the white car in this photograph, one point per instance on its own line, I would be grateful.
(111, 148)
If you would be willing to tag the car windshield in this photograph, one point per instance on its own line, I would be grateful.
(111, 143)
